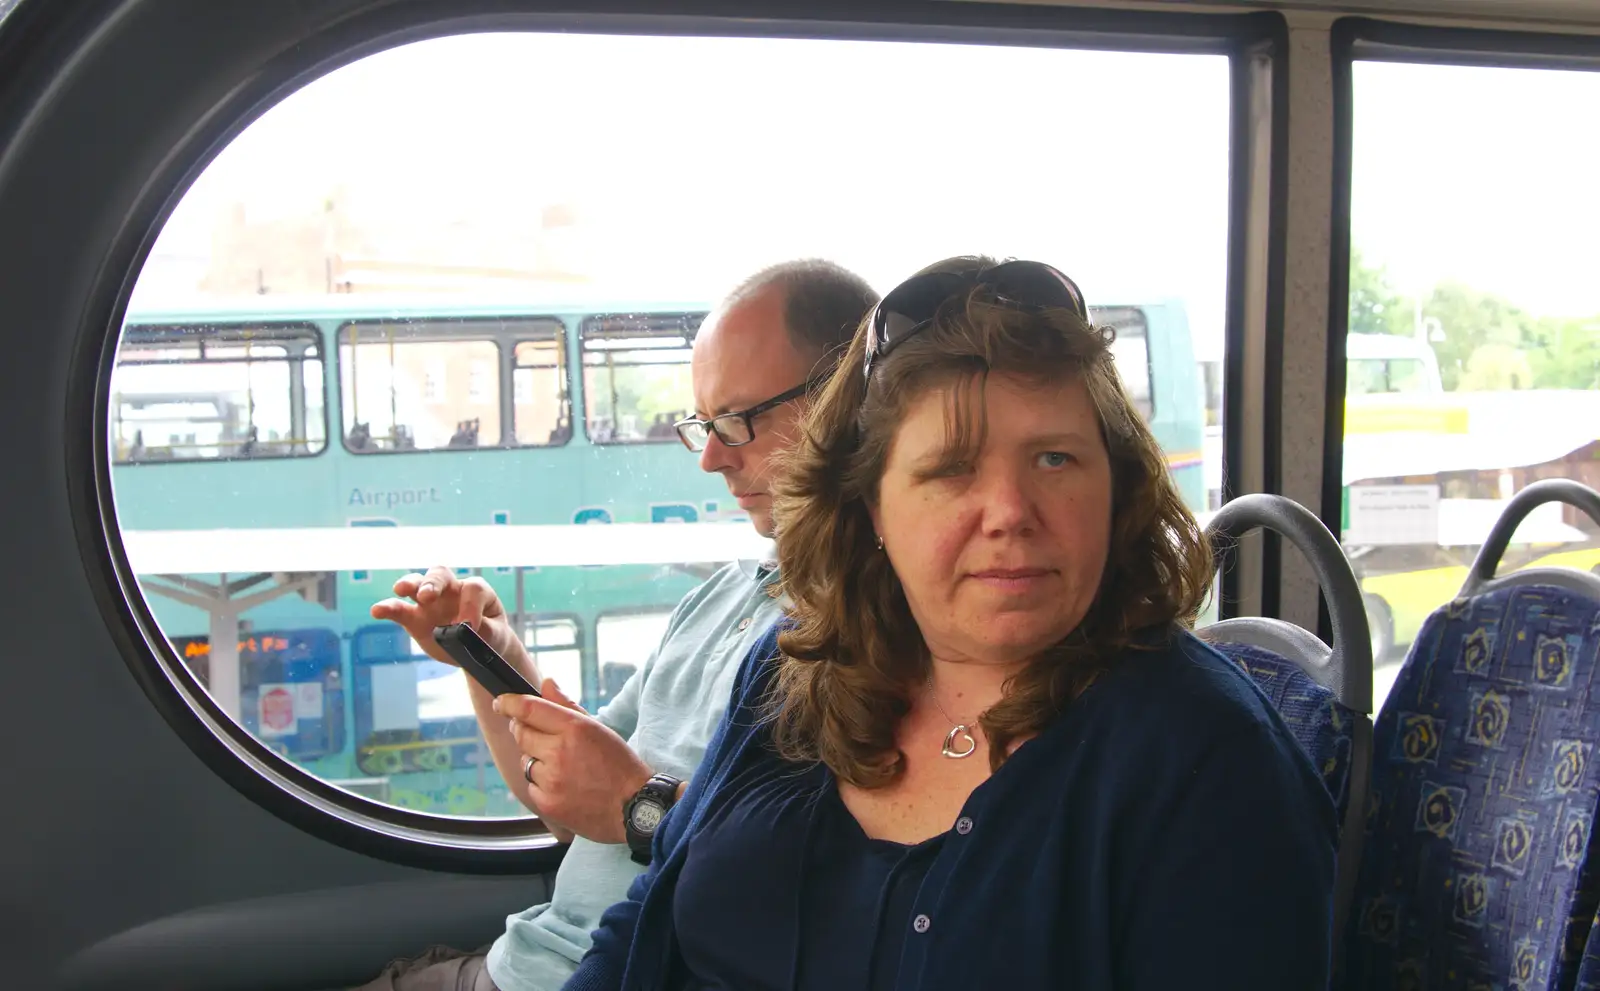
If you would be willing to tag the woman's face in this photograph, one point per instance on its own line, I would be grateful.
(1001, 558)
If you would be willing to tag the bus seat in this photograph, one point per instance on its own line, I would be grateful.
(1323, 693)
(359, 438)
(1479, 866)
(327, 938)
(661, 428)
(1320, 723)
(466, 434)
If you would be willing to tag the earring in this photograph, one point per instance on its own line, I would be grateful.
(880, 541)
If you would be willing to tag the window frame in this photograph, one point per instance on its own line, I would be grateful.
(1362, 39)
(1367, 39)
(281, 331)
(251, 63)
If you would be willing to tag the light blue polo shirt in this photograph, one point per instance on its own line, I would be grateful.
(667, 712)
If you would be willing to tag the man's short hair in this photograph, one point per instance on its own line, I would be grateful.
(823, 303)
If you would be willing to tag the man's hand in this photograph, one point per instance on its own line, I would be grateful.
(439, 598)
(582, 772)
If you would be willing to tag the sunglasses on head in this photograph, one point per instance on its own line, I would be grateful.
(910, 307)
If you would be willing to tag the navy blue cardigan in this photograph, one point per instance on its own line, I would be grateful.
(1169, 832)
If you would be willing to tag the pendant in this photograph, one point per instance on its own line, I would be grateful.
(960, 731)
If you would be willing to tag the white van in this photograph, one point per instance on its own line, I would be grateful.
(1378, 363)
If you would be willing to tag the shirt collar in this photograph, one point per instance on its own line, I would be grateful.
(763, 568)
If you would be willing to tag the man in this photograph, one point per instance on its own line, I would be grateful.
(602, 781)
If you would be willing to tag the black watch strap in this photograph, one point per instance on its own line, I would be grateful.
(643, 812)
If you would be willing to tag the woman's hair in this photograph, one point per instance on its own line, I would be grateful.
(854, 656)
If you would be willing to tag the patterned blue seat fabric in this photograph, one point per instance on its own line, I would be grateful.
(1322, 726)
(1476, 871)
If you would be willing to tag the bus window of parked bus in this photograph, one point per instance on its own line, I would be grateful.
(1131, 349)
(555, 648)
(204, 393)
(1473, 353)
(636, 377)
(541, 409)
(623, 643)
(404, 394)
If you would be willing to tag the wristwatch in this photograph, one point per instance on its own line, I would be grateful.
(642, 813)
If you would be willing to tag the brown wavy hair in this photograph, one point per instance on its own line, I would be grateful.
(854, 656)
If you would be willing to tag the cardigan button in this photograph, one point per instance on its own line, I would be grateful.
(744, 624)
(921, 923)
(963, 825)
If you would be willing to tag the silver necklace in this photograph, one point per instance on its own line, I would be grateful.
(958, 732)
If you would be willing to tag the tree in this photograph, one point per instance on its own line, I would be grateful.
(1472, 321)
(1496, 368)
(1375, 308)
(1489, 343)
(1567, 355)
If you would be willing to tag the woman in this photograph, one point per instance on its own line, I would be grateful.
(984, 751)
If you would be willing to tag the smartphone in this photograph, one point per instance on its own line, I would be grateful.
(481, 661)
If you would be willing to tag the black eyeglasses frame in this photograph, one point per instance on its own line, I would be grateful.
(747, 416)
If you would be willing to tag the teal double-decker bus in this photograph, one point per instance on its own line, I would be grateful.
(258, 446)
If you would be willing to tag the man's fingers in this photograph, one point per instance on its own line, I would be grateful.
(483, 598)
(536, 713)
(434, 584)
(541, 747)
(472, 602)
(553, 692)
(406, 587)
(395, 610)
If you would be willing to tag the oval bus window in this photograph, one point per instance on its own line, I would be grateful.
(458, 284)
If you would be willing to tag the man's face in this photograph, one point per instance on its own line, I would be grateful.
(743, 357)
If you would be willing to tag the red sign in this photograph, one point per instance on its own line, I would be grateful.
(277, 711)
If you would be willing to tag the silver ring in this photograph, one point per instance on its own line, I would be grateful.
(527, 767)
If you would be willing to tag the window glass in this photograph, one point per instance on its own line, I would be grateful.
(541, 408)
(624, 642)
(292, 687)
(555, 648)
(183, 393)
(636, 377)
(1131, 350)
(411, 395)
(477, 296)
(414, 739)
(1473, 357)
(1386, 375)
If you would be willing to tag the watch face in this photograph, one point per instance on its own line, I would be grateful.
(646, 816)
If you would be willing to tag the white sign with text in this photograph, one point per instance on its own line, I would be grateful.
(1393, 514)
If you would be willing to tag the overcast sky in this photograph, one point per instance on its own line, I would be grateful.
(692, 162)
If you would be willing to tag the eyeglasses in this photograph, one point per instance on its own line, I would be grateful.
(734, 429)
(911, 306)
